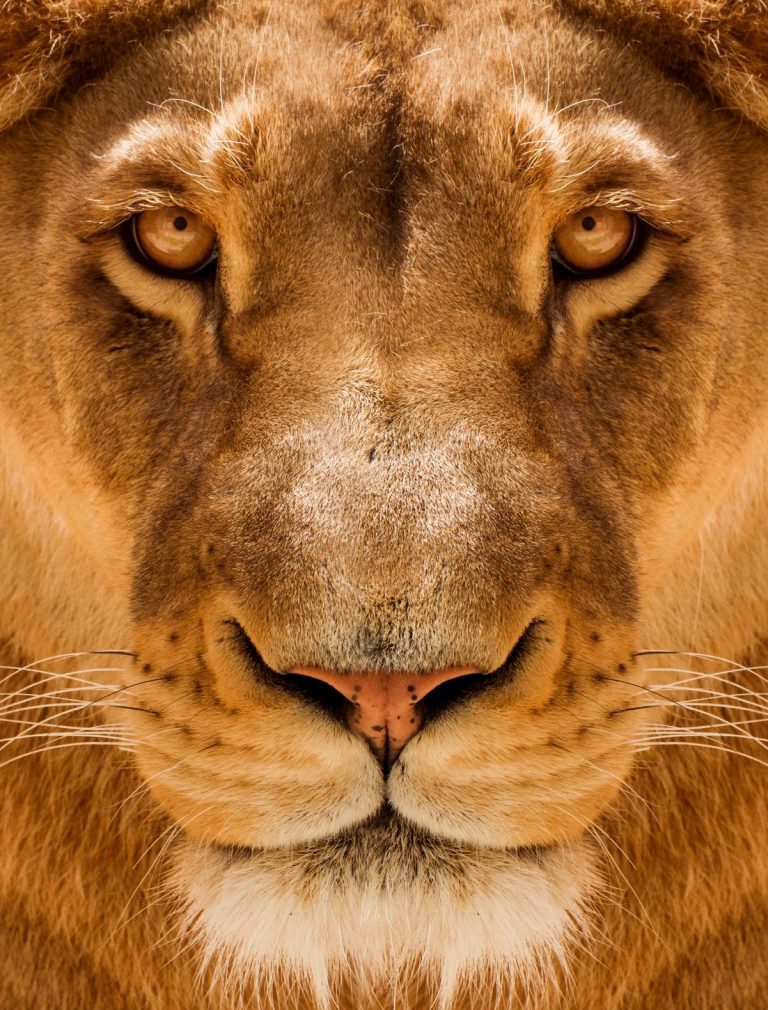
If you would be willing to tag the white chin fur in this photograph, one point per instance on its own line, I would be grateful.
(379, 903)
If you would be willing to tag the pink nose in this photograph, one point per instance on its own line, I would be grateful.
(385, 712)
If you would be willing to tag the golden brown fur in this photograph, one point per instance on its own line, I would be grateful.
(387, 439)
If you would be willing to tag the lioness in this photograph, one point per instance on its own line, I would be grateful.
(383, 504)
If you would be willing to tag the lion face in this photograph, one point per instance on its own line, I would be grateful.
(384, 428)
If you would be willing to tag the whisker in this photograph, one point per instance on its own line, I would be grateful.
(718, 702)
(144, 785)
(695, 743)
(172, 831)
(604, 771)
(68, 732)
(720, 675)
(701, 708)
(48, 699)
(175, 830)
(49, 675)
(588, 828)
(646, 918)
(713, 733)
(60, 746)
(83, 707)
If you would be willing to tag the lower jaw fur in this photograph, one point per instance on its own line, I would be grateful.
(381, 904)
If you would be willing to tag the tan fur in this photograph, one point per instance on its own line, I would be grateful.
(387, 440)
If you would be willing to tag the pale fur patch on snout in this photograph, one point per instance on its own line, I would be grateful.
(308, 918)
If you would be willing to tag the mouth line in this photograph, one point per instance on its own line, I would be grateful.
(386, 821)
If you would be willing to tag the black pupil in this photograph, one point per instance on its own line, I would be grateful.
(588, 223)
(180, 223)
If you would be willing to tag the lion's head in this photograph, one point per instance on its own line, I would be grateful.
(373, 375)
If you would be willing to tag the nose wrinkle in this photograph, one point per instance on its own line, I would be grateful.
(385, 712)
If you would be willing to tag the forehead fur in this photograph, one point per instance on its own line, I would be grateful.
(46, 45)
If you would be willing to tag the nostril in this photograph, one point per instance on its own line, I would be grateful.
(459, 689)
(319, 693)
(453, 692)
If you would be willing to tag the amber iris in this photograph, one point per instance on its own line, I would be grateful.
(174, 240)
(595, 239)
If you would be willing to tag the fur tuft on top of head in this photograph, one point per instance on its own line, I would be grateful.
(48, 44)
(721, 45)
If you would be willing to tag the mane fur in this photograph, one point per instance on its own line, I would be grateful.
(46, 45)
(717, 45)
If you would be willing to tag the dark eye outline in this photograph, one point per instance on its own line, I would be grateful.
(635, 246)
(134, 248)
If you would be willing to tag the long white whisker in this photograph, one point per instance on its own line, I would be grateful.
(125, 746)
(47, 675)
(704, 746)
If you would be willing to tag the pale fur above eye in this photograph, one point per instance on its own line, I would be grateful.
(172, 241)
(595, 240)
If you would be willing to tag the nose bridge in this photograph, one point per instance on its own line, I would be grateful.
(385, 467)
(372, 527)
(392, 523)
(385, 708)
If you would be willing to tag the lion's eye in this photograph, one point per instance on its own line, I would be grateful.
(595, 240)
(173, 240)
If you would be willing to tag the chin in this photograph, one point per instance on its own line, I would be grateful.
(381, 906)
